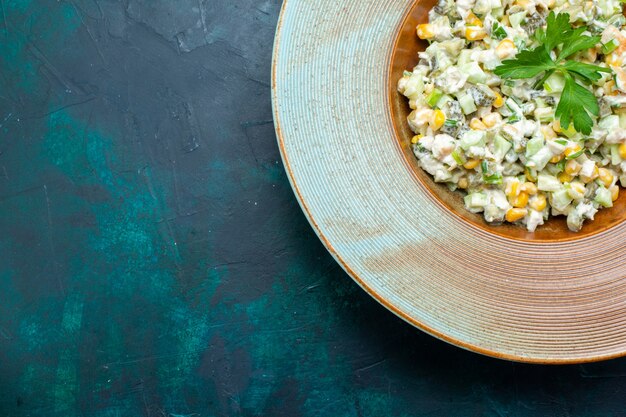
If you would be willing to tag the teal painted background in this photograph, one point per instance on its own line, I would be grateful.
(154, 261)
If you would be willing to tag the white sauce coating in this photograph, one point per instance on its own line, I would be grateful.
(498, 140)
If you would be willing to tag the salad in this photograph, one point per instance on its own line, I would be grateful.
(522, 106)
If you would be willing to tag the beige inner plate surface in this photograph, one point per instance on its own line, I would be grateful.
(532, 301)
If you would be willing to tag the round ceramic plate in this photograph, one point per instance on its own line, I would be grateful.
(548, 297)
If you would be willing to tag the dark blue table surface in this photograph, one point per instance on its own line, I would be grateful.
(154, 261)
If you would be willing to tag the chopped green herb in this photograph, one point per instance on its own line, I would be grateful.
(493, 179)
(610, 46)
(458, 158)
(433, 97)
(498, 32)
(513, 119)
(575, 154)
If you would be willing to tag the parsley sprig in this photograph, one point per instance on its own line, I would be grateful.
(577, 103)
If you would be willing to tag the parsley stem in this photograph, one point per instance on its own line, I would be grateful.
(543, 79)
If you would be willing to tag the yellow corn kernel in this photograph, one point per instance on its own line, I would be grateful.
(565, 177)
(476, 124)
(547, 132)
(590, 55)
(473, 20)
(594, 175)
(492, 119)
(505, 48)
(463, 183)
(529, 188)
(539, 202)
(437, 120)
(425, 31)
(614, 192)
(605, 176)
(556, 158)
(512, 189)
(416, 139)
(579, 189)
(572, 167)
(515, 214)
(613, 59)
(471, 164)
(505, 20)
(622, 150)
(520, 201)
(475, 34)
(521, 3)
(609, 87)
(572, 149)
(499, 101)
(570, 131)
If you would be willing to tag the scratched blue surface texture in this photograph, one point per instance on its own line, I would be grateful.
(154, 261)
